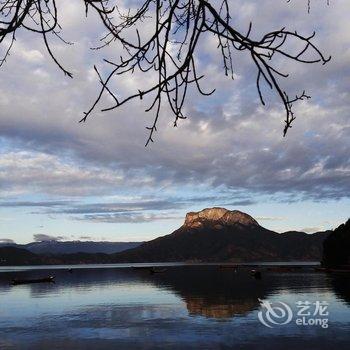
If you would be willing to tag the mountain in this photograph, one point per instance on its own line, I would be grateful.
(218, 234)
(71, 247)
(336, 248)
(18, 256)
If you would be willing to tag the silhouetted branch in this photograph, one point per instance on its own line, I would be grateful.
(309, 4)
(169, 51)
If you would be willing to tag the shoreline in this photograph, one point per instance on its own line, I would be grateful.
(222, 265)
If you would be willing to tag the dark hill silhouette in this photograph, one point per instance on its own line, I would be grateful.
(18, 256)
(336, 247)
(54, 247)
(217, 234)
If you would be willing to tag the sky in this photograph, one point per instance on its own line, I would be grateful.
(96, 181)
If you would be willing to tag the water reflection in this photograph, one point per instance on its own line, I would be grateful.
(211, 292)
(185, 307)
(341, 286)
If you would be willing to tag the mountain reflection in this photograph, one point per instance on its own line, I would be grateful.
(211, 292)
(224, 293)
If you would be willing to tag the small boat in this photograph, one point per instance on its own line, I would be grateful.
(256, 274)
(227, 266)
(49, 279)
(141, 268)
(155, 270)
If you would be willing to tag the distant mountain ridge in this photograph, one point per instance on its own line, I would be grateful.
(217, 235)
(210, 235)
(71, 247)
(19, 256)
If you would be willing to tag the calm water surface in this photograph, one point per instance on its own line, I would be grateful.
(187, 307)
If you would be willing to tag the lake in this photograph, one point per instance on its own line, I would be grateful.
(186, 307)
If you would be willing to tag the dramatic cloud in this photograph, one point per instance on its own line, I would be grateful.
(229, 152)
(232, 142)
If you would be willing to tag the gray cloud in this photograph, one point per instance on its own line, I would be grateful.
(134, 218)
(45, 204)
(25, 172)
(243, 202)
(145, 204)
(120, 207)
(312, 229)
(40, 237)
(85, 237)
(6, 240)
(270, 218)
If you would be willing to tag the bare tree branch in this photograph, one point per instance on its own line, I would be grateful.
(170, 51)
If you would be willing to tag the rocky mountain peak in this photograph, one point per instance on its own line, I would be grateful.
(218, 216)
